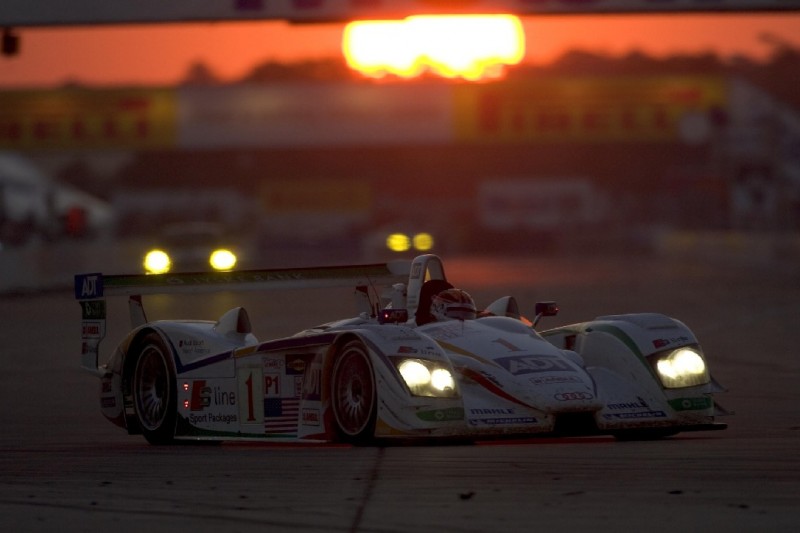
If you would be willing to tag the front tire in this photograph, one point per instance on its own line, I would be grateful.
(154, 391)
(353, 394)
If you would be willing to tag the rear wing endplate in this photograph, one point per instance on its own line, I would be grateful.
(92, 289)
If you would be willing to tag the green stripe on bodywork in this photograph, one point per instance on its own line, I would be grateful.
(691, 404)
(623, 337)
(441, 415)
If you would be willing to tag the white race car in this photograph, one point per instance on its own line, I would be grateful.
(411, 365)
(191, 246)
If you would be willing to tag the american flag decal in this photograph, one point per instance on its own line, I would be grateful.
(281, 415)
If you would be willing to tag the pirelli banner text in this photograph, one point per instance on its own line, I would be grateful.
(589, 109)
(559, 109)
(87, 119)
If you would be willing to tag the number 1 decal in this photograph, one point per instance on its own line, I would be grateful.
(251, 410)
(249, 382)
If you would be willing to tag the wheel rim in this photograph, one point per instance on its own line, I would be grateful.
(152, 388)
(353, 392)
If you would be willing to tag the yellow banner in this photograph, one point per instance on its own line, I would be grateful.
(587, 109)
(92, 119)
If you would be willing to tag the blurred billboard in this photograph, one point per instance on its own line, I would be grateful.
(75, 118)
(626, 109)
(312, 114)
(591, 108)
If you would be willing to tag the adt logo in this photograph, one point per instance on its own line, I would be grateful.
(528, 364)
(88, 286)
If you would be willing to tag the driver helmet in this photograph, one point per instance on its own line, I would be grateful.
(453, 304)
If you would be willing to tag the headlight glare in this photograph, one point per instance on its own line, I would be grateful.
(222, 260)
(423, 241)
(157, 262)
(415, 373)
(683, 367)
(442, 380)
(426, 378)
(398, 242)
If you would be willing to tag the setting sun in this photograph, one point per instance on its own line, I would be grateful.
(470, 46)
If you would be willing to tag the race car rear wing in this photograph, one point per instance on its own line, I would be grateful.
(92, 289)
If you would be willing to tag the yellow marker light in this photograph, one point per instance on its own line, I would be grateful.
(423, 242)
(157, 262)
(466, 46)
(222, 260)
(398, 242)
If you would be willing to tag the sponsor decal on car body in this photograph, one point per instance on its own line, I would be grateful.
(441, 415)
(311, 417)
(193, 347)
(628, 416)
(531, 364)
(503, 421)
(691, 404)
(91, 329)
(572, 396)
(554, 380)
(673, 341)
(211, 403)
(498, 416)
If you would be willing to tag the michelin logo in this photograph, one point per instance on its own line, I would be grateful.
(88, 286)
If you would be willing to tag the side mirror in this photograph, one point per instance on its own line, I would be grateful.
(544, 309)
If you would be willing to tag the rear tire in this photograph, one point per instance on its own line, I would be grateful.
(353, 394)
(155, 391)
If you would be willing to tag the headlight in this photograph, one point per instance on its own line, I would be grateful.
(427, 378)
(398, 242)
(442, 380)
(157, 262)
(683, 367)
(222, 260)
(423, 242)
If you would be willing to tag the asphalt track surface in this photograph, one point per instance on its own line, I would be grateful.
(65, 468)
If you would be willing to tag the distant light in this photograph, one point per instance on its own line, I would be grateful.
(157, 262)
(423, 241)
(398, 242)
(466, 46)
(222, 260)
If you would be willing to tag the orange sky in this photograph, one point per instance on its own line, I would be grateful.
(161, 54)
